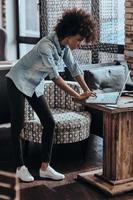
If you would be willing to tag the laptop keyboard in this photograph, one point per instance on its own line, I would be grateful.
(103, 98)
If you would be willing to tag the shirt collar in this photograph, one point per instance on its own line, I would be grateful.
(53, 37)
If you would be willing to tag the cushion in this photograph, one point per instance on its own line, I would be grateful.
(70, 127)
(106, 78)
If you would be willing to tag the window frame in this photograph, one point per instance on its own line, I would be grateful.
(33, 40)
(24, 39)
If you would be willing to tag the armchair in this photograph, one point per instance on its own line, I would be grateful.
(72, 121)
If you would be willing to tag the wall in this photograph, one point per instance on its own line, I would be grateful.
(129, 33)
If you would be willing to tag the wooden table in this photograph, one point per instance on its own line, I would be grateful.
(117, 174)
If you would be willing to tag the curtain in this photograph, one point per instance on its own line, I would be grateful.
(4, 14)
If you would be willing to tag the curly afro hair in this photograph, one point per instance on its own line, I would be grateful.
(77, 21)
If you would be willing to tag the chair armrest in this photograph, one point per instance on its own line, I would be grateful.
(69, 103)
(64, 101)
(56, 98)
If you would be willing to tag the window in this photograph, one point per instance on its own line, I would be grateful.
(28, 25)
(109, 14)
(112, 21)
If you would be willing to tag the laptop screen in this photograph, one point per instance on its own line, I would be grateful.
(125, 83)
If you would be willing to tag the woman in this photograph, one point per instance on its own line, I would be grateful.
(27, 78)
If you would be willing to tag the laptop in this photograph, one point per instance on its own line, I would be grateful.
(109, 97)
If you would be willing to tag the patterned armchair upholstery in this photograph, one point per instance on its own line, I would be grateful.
(72, 121)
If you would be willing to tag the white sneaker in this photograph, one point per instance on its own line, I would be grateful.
(24, 175)
(51, 173)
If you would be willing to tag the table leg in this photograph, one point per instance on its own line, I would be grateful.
(117, 174)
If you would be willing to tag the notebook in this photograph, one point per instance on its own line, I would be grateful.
(109, 97)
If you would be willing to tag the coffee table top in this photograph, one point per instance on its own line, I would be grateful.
(125, 104)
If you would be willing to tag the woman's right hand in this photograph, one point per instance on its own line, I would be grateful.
(86, 95)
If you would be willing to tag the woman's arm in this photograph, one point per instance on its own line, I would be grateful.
(76, 72)
(82, 83)
(84, 86)
(62, 84)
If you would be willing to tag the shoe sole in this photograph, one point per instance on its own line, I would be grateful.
(25, 180)
(51, 178)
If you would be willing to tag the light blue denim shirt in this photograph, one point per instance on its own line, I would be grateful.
(29, 73)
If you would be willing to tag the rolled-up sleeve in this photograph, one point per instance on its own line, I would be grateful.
(49, 66)
(71, 64)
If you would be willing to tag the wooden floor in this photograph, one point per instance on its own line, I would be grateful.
(67, 159)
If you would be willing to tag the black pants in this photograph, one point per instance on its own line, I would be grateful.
(40, 106)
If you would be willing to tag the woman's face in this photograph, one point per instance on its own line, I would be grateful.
(73, 42)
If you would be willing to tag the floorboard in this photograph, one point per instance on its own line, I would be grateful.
(67, 159)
